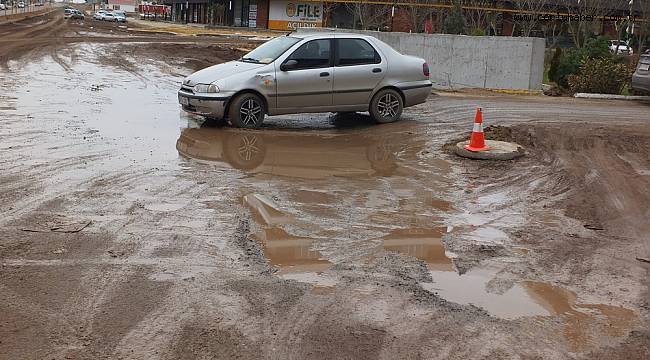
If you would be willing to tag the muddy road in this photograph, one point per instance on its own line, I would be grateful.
(130, 230)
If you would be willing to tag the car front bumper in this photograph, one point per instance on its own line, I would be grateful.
(209, 105)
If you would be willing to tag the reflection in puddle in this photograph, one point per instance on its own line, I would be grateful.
(294, 257)
(424, 244)
(581, 320)
(307, 155)
(472, 288)
(291, 253)
(266, 210)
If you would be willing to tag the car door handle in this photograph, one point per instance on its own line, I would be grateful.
(324, 74)
(376, 70)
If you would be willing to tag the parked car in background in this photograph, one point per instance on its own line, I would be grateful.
(641, 78)
(77, 15)
(109, 16)
(119, 16)
(67, 12)
(38, 3)
(307, 73)
(147, 16)
(3, 7)
(620, 48)
(20, 5)
(99, 15)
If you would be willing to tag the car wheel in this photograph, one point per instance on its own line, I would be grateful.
(247, 111)
(386, 106)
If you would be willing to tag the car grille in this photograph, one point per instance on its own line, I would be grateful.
(187, 89)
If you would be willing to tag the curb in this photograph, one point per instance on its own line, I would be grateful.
(610, 97)
(517, 92)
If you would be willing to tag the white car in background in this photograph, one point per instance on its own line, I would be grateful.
(620, 48)
(3, 7)
(119, 16)
(109, 16)
(99, 15)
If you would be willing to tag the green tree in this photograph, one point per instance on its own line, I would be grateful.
(455, 22)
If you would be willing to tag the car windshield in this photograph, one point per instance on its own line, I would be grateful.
(270, 50)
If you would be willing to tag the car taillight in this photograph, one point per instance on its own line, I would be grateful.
(425, 69)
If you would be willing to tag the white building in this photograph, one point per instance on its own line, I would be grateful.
(129, 6)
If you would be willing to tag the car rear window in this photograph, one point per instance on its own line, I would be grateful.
(356, 52)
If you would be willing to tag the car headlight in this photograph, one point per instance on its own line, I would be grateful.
(206, 88)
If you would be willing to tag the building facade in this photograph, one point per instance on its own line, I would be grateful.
(124, 5)
(382, 15)
(240, 13)
(261, 14)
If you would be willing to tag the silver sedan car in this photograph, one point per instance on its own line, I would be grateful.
(309, 73)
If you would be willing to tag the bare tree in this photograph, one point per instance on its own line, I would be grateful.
(553, 30)
(478, 15)
(369, 16)
(418, 12)
(328, 8)
(528, 17)
(589, 16)
(644, 26)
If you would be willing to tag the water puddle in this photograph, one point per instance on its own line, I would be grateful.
(294, 257)
(297, 154)
(580, 322)
(266, 210)
(423, 244)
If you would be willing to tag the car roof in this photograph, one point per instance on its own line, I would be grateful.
(327, 35)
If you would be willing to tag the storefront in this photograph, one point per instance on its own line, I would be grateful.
(244, 13)
(290, 15)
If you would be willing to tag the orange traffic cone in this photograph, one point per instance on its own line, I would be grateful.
(477, 141)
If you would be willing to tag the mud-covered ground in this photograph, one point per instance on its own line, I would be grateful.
(130, 230)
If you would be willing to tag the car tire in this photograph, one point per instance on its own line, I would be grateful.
(247, 111)
(386, 106)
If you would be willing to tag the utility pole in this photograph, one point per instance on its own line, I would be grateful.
(392, 15)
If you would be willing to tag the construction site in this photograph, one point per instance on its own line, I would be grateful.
(131, 229)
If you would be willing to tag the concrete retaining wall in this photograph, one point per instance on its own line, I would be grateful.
(457, 61)
(8, 16)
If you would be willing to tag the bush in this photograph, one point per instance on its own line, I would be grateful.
(602, 76)
(555, 63)
(569, 62)
(477, 32)
(455, 21)
(596, 49)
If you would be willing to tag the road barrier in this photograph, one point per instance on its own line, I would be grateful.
(459, 61)
(477, 140)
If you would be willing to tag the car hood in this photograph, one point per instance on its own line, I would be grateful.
(220, 72)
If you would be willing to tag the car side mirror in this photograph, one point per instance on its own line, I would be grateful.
(289, 65)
